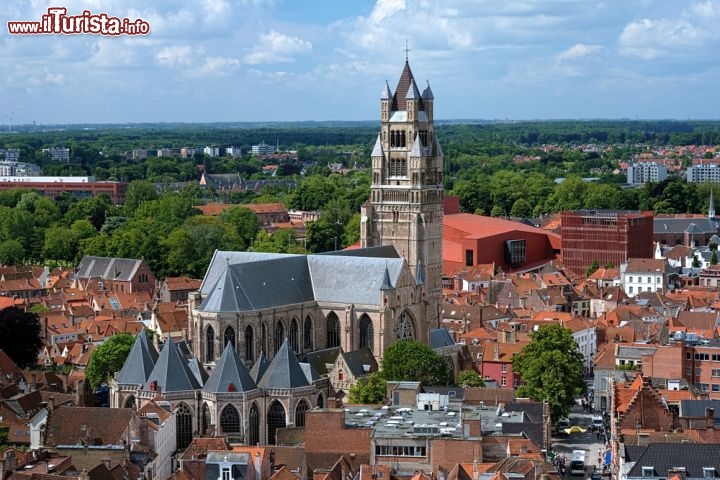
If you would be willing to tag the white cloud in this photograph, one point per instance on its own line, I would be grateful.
(577, 51)
(177, 55)
(691, 34)
(276, 47)
(219, 65)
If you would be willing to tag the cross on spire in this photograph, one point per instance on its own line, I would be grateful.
(407, 50)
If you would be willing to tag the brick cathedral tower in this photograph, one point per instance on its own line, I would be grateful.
(406, 200)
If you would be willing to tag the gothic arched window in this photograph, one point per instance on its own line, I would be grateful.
(209, 344)
(405, 328)
(366, 332)
(300, 410)
(249, 344)
(308, 333)
(205, 419)
(229, 337)
(320, 401)
(183, 426)
(230, 420)
(279, 335)
(293, 335)
(333, 331)
(275, 420)
(253, 425)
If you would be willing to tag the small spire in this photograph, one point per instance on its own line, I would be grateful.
(427, 93)
(386, 93)
(711, 210)
(387, 283)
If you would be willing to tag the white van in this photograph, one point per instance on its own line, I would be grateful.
(597, 422)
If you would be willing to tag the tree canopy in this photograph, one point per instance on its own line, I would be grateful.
(410, 360)
(551, 368)
(108, 358)
(20, 336)
(469, 378)
(372, 390)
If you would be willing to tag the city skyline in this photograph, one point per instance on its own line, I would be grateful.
(269, 60)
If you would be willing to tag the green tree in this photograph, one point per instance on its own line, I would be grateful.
(20, 336)
(469, 378)
(696, 261)
(139, 192)
(521, 208)
(410, 360)
(551, 369)
(592, 268)
(244, 221)
(714, 258)
(11, 252)
(108, 358)
(372, 390)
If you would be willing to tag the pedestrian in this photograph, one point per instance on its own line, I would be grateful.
(597, 434)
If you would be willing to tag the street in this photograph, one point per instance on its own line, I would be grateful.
(564, 444)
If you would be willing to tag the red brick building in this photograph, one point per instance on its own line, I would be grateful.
(608, 236)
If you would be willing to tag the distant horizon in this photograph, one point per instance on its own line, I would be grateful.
(280, 61)
(350, 122)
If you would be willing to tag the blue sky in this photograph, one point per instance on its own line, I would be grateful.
(274, 60)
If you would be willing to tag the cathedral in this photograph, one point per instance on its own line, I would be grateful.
(256, 314)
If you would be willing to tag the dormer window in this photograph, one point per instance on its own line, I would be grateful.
(648, 472)
(708, 472)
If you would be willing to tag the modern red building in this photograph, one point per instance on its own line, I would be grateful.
(77, 187)
(470, 240)
(608, 236)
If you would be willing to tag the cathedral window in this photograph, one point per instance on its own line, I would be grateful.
(405, 329)
(300, 410)
(249, 344)
(366, 332)
(183, 426)
(230, 420)
(279, 335)
(275, 420)
(229, 337)
(263, 338)
(209, 344)
(253, 425)
(293, 335)
(205, 419)
(320, 401)
(308, 333)
(333, 331)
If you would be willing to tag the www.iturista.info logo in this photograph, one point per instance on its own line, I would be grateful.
(58, 22)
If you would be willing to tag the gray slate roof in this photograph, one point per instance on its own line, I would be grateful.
(222, 258)
(139, 362)
(284, 371)
(310, 373)
(665, 456)
(259, 367)
(357, 359)
(696, 409)
(292, 279)
(107, 268)
(171, 371)
(198, 370)
(320, 359)
(229, 370)
(440, 337)
(680, 225)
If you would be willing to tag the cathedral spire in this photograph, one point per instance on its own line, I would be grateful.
(711, 210)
